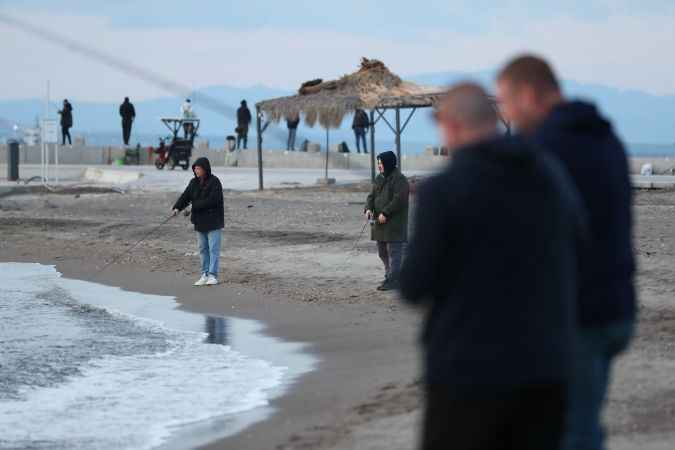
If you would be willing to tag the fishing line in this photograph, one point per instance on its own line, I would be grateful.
(123, 66)
(130, 249)
(356, 242)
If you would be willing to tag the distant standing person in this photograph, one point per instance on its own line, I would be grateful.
(493, 258)
(243, 122)
(66, 122)
(128, 114)
(205, 194)
(387, 209)
(292, 125)
(588, 147)
(360, 125)
(186, 114)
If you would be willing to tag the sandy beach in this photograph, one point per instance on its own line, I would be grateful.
(289, 259)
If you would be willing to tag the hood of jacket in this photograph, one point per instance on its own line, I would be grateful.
(389, 162)
(576, 116)
(204, 164)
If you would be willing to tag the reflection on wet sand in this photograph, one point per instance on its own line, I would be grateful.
(216, 328)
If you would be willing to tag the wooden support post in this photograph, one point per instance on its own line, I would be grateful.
(327, 151)
(398, 137)
(372, 146)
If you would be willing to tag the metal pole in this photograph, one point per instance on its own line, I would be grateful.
(398, 137)
(372, 145)
(260, 157)
(327, 150)
(45, 147)
(56, 164)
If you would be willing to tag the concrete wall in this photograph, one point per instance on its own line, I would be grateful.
(275, 159)
(86, 155)
(661, 166)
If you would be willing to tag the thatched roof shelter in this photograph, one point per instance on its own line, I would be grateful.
(373, 86)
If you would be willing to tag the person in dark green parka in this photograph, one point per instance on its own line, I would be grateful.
(387, 209)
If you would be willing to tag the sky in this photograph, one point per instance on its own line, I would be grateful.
(619, 43)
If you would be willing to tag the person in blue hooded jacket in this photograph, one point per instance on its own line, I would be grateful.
(588, 147)
(205, 194)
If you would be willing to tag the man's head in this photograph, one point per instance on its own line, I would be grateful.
(243, 103)
(527, 89)
(126, 99)
(386, 162)
(187, 100)
(466, 115)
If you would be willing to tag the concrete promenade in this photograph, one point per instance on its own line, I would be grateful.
(275, 159)
(234, 178)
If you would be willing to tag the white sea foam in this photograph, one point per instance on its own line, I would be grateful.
(132, 401)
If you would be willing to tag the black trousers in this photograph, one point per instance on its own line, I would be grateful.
(527, 418)
(65, 133)
(242, 140)
(126, 131)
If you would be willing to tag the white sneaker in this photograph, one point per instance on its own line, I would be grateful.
(211, 280)
(202, 280)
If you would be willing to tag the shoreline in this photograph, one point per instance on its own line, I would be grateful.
(164, 314)
(320, 394)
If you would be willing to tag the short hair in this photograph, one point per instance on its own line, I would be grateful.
(530, 70)
(470, 104)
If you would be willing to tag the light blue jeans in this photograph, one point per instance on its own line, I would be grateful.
(596, 351)
(209, 250)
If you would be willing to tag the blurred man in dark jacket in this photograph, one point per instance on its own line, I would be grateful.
(360, 125)
(387, 209)
(494, 257)
(128, 114)
(594, 156)
(243, 122)
(205, 194)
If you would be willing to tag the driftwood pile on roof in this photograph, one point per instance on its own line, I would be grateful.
(328, 102)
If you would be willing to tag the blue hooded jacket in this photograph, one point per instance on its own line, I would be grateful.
(596, 160)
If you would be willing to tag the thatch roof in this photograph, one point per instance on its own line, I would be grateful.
(372, 86)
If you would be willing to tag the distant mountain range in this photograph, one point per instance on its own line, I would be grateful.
(638, 116)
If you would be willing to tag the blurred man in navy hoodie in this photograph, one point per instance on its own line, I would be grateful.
(493, 258)
(586, 144)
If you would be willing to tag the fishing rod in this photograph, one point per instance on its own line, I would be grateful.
(356, 242)
(129, 250)
(123, 65)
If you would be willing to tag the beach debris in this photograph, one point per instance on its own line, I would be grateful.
(309, 87)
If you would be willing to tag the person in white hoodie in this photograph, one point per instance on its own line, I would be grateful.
(187, 113)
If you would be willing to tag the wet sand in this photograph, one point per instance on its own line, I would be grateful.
(287, 261)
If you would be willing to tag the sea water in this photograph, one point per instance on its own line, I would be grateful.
(86, 366)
